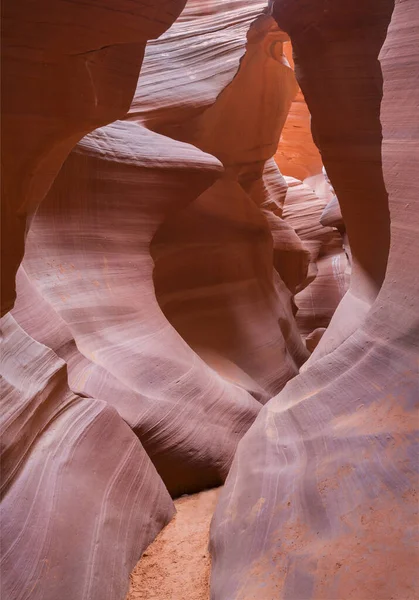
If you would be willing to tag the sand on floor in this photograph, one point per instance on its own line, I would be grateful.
(176, 566)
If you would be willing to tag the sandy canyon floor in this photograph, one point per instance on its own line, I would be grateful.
(177, 564)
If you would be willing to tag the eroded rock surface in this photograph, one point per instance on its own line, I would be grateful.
(86, 297)
(171, 275)
(326, 280)
(97, 240)
(67, 68)
(321, 493)
(79, 495)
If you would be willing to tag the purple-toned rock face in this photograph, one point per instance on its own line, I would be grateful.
(187, 314)
(320, 502)
(80, 496)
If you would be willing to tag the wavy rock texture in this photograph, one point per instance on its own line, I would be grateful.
(326, 279)
(361, 191)
(169, 274)
(88, 255)
(214, 278)
(67, 68)
(321, 494)
(215, 283)
(202, 52)
(297, 155)
(308, 256)
(167, 371)
(73, 476)
(86, 292)
(127, 195)
(332, 215)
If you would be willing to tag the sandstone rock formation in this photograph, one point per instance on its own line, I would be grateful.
(202, 52)
(175, 282)
(73, 476)
(297, 155)
(86, 302)
(231, 312)
(361, 191)
(321, 493)
(67, 68)
(88, 255)
(326, 281)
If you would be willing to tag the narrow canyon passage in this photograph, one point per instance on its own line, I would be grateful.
(177, 564)
(210, 330)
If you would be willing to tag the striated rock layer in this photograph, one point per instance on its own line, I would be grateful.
(326, 280)
(134, 223)
(79, 495)
(169, 274)
(88, 255)
(214, 278)
(320, 501)
(67, 68)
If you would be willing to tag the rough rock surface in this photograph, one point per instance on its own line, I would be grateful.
(321, 494)
(177, 564)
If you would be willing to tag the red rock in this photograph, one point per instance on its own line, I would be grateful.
(332, 215)
(298, 156)
(156, 299)
(217, 32)
(86, 288)
(314, 338)
(80, 497)
(88, 255)
(321, 494)
(67, 68)
(214, 281)
(214, 260)
(326, 281)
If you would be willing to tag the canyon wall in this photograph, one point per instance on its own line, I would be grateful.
(175, 283)
(150, 324)
(321, 494)
(68, 463)
(67, 68)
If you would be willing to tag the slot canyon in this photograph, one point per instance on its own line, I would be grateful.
(210, 300)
